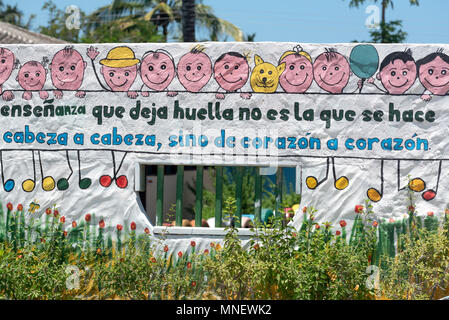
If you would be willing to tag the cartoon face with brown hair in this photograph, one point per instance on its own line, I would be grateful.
(157, 70)
(331, 71)
(31, 77)
(67, 70)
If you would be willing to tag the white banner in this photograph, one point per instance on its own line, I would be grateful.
(362, 121)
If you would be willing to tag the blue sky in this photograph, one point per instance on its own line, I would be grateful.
(311, 21)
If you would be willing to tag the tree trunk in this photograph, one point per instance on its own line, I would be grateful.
(188, 20)
(383, 22)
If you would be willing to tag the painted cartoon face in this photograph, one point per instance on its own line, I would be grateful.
(32, 76)
(231, 71)
(194, 71)
(6, 64)
(157, 71)
(331, 72)
(265, 76)
(398, 76)
(298, 74)
(67, 69)
(434, 76)
(119, 79)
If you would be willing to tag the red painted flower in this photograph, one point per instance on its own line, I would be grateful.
(153, 259)
(189, 265)
(206, 251)
(133, 225)
(43, 240)
(20, 256)
(62, 219)
(338, 232)
(74, 224)
(193, 284)
(192, 243)
(430, 214)
(375, 224)
(48, 211)
(180, 254)
(88, 217)
(304, 210)
(358, 208)
(166, 248)
(9, 206)
(101, 224)
(65, 233)
(256, 246)
(147, 231)
(317, 226)
(56, 213)
(212, 244)
(411, 209)
(391, 220)
(343, 223)
(19, 207)
(119, 227)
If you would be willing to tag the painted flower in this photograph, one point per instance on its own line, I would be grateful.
(192, 243)
(189, 265)
(256, 246)
(98, 251)
(88, 217)
(193, 284)
(212, 244)
(391, 220)
(304, 210)
(133, 225)
(9, 206)
(48, 211)
(446, 211)
(147, 231)
(358, 208)
(20, 207)
(56, 213)
(317, 226)
(119, 227)
(101, 224)
(206, 251)
(62, 219)
(42, 240)
(430, 214)
(153, 259)
(375, 224)
(343, 223)
(166, 248)
(411, 209)
(65, 233)
(338, 232)
(74, 224)
(180, 254)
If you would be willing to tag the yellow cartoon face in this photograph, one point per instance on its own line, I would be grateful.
(265, 76)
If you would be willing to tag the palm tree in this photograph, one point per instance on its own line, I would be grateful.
(385, 33)
(165, 14)
(13, 15)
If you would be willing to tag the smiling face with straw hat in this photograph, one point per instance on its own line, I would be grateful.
(119, 68)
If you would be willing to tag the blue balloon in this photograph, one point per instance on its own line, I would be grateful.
(364, 60)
